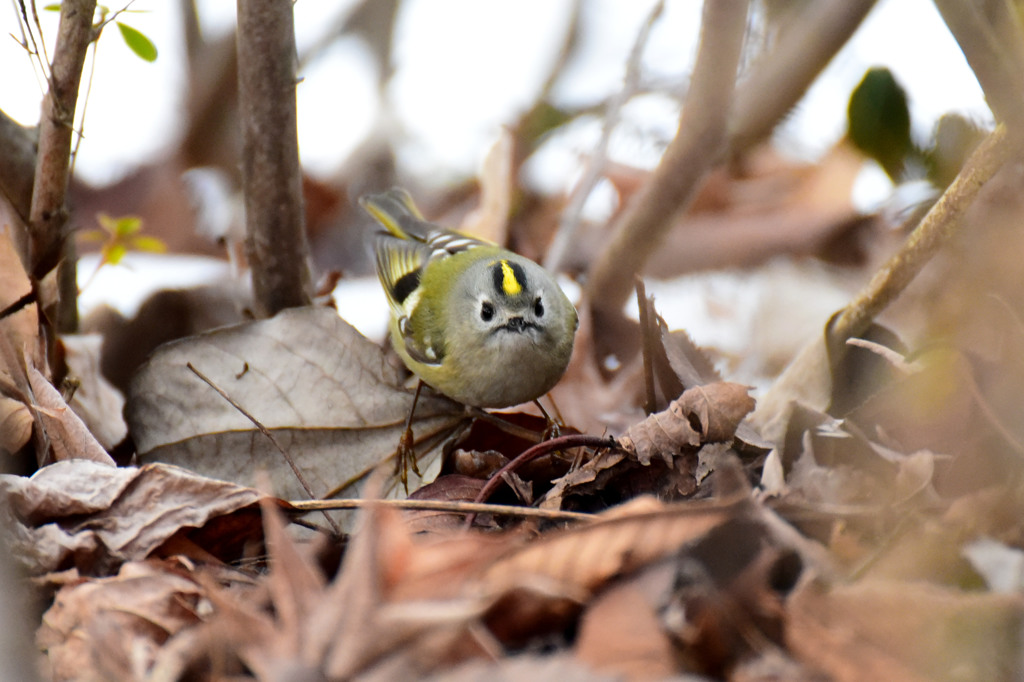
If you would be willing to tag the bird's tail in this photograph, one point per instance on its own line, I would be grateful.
(395, 210)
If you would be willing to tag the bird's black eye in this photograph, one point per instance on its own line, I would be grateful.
(538, 307)
(486, 311)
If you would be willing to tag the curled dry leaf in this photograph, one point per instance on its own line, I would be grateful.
(580, 560)
(112, 628)
(703, 414)
(326, 393)
(68, 435)
(662, 435)
(96, 401)
(94, 517)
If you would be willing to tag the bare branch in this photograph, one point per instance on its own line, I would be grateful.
(698, 144)
(992, 40)
(271, 175)
(806, 379)
(48, 212)
(934, 230)
(805, 45)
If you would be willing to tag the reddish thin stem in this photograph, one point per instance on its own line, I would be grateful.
(575, 440)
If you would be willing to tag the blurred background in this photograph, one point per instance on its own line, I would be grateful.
(418, 93)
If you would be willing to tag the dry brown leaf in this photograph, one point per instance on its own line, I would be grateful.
(589, 476)
(96, 401)
(578, 561)
(360, 625)
(326, 393)
(15, 425)
(620, 633)
(662, 435)
(686, 359)
(490, 220)
(719, 408)
(95, 516)
(446, 488)
(68, 435)
(716, 409)
(905, 631)
(112, 628)
(295, 585)
(22, 328)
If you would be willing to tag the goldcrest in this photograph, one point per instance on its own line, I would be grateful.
(476, 322)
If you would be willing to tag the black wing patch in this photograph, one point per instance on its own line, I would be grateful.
(405, 285)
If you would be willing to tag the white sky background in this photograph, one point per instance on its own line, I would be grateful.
(464, 68)
(462, 71)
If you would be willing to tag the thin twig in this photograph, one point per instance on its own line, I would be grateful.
(442, 505)
(262, 429)
(560, 443)
(42, 39)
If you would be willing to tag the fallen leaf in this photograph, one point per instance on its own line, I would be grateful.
(716, 409)
(95, 517)
(902, 630)
(620, 633)
(21, 329)
(578, 561)
(447, 488)
(15, 425)
(719, 408)
(112, 628)
(65, 431)
(96, 401)
(326, 393)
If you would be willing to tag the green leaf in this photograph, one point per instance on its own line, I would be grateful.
(107, 223)
(127, 225)
(137, 42)
(113, 253)
(149, 244)
(52, 7)
(879, 121)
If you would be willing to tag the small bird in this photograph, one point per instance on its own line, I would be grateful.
(476, 322)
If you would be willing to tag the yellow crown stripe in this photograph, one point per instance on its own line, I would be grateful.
(509, 283)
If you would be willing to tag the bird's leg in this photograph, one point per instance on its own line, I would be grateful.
(405, 456)
(553, 428)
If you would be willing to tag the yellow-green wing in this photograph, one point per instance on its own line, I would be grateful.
(399, 267)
